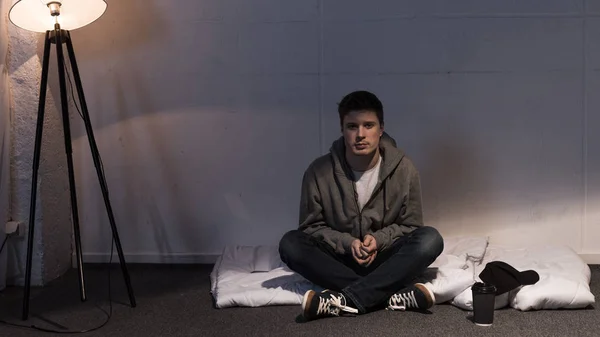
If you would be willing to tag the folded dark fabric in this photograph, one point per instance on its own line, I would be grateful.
(505, 277)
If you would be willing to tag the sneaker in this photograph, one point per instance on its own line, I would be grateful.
(417, 296)
(324, 304)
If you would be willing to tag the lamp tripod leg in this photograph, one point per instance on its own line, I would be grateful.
(34, 178)
(59, 36)
(99, 169)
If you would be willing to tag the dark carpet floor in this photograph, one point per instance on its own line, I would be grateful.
(174, 300)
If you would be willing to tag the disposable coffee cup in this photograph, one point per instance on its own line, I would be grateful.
(484, 296)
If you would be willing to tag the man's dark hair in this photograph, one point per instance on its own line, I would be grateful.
(360, 101)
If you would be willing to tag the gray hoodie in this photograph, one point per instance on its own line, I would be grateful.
(328, 204)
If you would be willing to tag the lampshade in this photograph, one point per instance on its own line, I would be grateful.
(35, 15)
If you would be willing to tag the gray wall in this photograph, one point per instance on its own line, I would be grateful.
(207, 113)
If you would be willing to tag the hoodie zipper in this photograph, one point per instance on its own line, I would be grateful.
(359, 210)
(375, 191)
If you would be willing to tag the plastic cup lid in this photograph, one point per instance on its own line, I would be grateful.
(484, 288)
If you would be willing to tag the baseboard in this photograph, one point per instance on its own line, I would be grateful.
(197, 258)
(591, 258)
(183, 258)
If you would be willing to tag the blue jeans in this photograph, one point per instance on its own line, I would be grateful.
(369, 288)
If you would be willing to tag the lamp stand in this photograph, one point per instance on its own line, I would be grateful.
(58, 37)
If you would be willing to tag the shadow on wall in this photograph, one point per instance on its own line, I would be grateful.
(125, 26)
(453, 180)
(139, 59)
(157, 220)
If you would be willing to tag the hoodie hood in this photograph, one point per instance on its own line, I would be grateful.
(391, 156)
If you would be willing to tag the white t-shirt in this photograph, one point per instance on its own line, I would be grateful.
(366, 182)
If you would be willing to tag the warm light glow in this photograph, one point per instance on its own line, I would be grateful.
(36, 15)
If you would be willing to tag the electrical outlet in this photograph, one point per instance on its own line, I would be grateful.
(15, 228)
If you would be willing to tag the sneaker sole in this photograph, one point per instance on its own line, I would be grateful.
(428, 294)
(308, 296)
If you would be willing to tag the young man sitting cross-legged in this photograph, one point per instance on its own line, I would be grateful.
(361, 233)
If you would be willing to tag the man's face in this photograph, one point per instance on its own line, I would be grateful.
(361, 130)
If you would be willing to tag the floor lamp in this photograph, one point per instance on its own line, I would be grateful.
(56, 18)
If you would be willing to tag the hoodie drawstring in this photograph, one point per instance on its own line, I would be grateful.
(385, 207)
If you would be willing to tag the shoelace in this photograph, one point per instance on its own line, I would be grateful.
(333, 305)
(402, 301)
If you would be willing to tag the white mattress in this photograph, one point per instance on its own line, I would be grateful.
(255, 276)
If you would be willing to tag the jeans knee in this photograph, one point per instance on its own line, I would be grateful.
(288, 246)
(432, 241)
